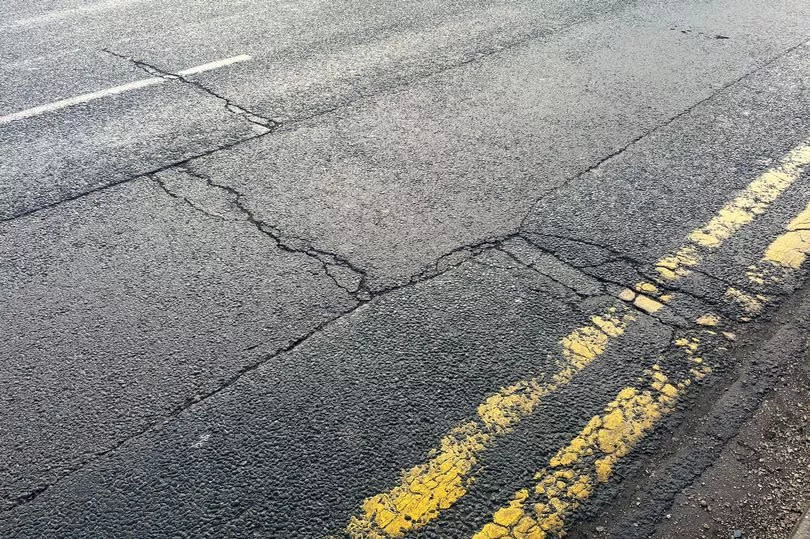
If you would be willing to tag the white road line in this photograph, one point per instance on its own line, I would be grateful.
(79, 99)
(92, 96)
(214, 65)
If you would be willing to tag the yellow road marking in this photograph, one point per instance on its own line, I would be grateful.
(751, 202)
(790, 249)
(750, 303)
(576, 470)
(437, 484)
(707, 320)
(647, 288)
(641, 300)
(783, 257)
(627, 295)
(647, 304)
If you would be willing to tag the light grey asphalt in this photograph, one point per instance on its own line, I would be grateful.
(242, 302)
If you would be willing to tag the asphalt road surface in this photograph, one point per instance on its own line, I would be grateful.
(390, 269)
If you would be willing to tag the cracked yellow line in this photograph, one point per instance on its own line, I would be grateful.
(435, 485)
(751, 202)
(576, 470)
(588, 460)
(428, 488)
(783, 257)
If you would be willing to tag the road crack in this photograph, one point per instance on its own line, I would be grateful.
(644, 270)
(345, 274)
(645, 134)
(266, 124)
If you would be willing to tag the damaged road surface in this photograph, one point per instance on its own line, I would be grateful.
(383, 269)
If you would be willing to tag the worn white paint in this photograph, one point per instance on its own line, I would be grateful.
(92, 96)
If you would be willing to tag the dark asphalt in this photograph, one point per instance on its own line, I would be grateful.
(243, 302)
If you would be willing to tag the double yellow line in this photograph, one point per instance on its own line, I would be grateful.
(782, 258)
(751, 202)
(435, 485)
(576, 470)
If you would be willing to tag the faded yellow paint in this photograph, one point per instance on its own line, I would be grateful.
(574, 471)
(647, 304)
(627, 295)
(582, 345)
(782, 257)
(510, 521)
(752, 304)
(647, 288)
(609, 324)
(751, 202)
(678, 264)
(757, 274)
(437, 484)
(790, 249)
(691, 346)
(708, 319)
(785, 254)
(725, 223)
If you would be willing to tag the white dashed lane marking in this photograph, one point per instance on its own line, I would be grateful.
(115, 90)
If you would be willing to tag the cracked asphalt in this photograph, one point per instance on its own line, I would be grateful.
(403, 269)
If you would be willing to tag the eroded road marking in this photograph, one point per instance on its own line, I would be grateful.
(577, 469)
(115, 90)
(787, 252)
(754, 200)
(435, 485)
(783, 257)
(427, 489)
